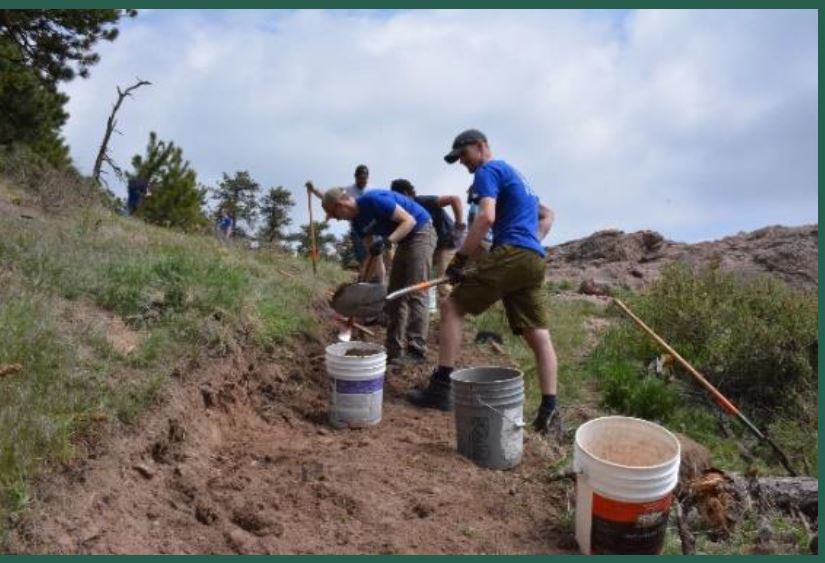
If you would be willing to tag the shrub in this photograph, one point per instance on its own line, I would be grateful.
(752, 338)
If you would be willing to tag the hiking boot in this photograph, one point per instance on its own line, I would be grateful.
(435, 396)
(547, 421)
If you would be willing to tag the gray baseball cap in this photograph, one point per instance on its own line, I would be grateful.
(465, 138)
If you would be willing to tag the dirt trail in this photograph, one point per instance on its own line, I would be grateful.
(240, 458)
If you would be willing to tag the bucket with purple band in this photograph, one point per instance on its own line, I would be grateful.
(356, 371)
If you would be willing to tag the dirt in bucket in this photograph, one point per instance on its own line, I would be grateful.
(623, 447)
(360, 352)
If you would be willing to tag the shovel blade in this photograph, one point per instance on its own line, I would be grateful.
(359, 299)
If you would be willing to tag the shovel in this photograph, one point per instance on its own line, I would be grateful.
(368, 299)
(348, 311)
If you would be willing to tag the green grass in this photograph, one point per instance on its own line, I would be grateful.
(788, 537)
(184, 294)
(569, 335)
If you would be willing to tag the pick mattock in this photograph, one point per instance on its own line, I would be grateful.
(312, 230)
(720, 399)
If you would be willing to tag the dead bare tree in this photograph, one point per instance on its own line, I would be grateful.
(111, 127)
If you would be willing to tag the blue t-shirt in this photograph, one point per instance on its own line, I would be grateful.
(517, 207)
(224, 223)
(375, 209)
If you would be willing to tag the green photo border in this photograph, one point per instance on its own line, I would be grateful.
(402, 4)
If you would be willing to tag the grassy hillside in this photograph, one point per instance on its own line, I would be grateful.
(98, 311)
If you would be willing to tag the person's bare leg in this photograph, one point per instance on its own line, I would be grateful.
(437, 393)
(547, 368)
(547, 365)
(451, 333)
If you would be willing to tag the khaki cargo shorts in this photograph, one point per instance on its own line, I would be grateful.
(514, 275)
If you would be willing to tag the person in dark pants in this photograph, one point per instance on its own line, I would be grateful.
(356, 190)
(136, 191)
(513, 272)
(447, 231)
(384, 217)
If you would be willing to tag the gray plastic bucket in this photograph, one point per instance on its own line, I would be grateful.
(489, 408)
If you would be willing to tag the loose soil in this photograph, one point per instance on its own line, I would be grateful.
(241, 458)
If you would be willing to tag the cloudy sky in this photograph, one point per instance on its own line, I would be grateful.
(697, 124)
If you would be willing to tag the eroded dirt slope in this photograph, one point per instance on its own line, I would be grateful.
(240, 458)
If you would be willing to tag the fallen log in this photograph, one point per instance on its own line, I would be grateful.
(720, 499)
(782, 493)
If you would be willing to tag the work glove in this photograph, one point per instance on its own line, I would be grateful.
(455, 270)
(377, 246)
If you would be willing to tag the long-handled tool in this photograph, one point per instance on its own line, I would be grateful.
(368, 299)
(720, 399)
(314, 250)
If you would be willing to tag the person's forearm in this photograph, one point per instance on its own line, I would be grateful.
(546, 218)
(458, 210)
(315, 191)
(404, 228)
(478, 230)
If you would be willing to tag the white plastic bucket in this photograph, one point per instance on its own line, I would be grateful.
(357, 384)
(627, 469)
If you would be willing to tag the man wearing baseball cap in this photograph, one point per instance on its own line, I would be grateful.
(384, 217)
(512, 272)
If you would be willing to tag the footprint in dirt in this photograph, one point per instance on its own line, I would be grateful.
(255, 520)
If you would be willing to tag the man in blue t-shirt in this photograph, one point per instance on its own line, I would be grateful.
(383, 217)
(447, 231)
(512, 272)
(225, 225)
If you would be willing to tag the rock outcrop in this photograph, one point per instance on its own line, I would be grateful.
(613, 258)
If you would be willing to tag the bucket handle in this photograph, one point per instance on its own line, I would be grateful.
(517, 423)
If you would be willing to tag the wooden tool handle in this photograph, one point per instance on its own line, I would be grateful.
(314, 251)
(417, 287)
(718, 397)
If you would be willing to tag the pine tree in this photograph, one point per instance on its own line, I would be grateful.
(174, 198)
(275, 208)
(39, 49)
(237, 196)
(57, 44)
(322, 239)
(32, 110)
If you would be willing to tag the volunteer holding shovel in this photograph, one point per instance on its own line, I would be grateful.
(512, 272)
(382, 217)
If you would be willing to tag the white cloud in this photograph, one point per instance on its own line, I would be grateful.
(695, 123)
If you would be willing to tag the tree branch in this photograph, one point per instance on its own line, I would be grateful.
(102, 153)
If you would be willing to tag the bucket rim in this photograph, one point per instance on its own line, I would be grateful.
(518, 375)
(648, 423)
